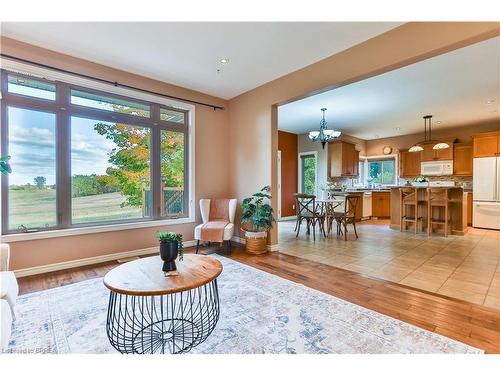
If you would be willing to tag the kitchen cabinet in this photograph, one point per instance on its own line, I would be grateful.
(381, 204)
(429, 154)
(486, 144)
(409, 163)
(462, 159)
(343, 159)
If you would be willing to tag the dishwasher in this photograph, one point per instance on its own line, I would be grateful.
(367, 204)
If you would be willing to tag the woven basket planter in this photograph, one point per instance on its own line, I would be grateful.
(255, 242)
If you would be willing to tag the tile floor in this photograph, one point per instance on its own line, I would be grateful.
(465, 267)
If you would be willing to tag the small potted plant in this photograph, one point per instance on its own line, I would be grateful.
(257, 217)
(170, 248)
(420, 181)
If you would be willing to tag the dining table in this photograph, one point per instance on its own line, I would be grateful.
(328, 207)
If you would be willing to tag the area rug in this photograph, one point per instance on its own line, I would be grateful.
(260, 313)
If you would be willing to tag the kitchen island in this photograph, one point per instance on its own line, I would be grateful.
(457, 210)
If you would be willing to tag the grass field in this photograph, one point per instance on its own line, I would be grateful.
(37, 208)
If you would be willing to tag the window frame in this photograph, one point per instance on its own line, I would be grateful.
(313, 154)
(64, 110)
(366, 169)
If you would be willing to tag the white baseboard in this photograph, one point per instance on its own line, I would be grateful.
(92, 260)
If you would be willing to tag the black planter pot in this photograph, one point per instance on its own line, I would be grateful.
(168, 253)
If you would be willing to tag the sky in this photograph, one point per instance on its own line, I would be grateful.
(32, 146)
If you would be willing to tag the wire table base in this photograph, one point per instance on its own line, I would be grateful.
(171, 323)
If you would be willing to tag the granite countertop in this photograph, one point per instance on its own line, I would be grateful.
(425, 187)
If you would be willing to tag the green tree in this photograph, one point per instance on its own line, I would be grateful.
(130, 158)
(309, 175)
(85, 185)
(39, 181)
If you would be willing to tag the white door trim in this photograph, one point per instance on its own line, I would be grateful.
(315, 153)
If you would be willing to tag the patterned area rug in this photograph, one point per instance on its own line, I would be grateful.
(260, 313)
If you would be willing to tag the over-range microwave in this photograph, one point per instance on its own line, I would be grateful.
(436, 168)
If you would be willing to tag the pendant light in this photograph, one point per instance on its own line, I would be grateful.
(438, 145)
(324, 134)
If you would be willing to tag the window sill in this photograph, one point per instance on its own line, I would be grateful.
(8, 238)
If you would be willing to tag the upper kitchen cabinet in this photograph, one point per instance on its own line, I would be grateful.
(486, 144)
(462, 159)
(429, 154)
(409, 163)
(343, 159)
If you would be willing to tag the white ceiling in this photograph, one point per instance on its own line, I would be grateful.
(189, 54)
(454, 87)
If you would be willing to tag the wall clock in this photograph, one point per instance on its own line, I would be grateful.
(387, 150)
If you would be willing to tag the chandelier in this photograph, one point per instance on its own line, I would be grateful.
(438, 145)
(324, 135)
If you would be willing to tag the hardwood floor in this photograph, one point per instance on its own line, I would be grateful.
(473, 324)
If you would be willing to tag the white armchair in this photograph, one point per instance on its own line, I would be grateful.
(205, 215)
(9, 290)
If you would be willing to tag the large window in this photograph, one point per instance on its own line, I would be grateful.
(108, 188)
(32, 184)
(83, 157)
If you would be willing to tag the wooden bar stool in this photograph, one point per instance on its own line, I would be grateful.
(409, 202)
(437, 198)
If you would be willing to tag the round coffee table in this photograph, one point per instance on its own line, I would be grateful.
(151, 313)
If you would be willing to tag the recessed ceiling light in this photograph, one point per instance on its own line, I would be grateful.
(224, 60)
(398, 129)
(439, 122)
(491, 101)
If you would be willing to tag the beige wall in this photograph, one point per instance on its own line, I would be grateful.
(253, 117)
(462, 133)
(211, 158)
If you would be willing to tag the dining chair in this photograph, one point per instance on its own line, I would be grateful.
(347, 216)
(308, 210)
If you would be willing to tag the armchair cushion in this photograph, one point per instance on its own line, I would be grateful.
(228, 232)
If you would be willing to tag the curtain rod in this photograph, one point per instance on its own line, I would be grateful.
(114, 83)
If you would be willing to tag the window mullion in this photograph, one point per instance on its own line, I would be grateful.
(155, 164)
(3, 147)
(63, 156)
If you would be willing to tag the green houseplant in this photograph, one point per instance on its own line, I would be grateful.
(170, 247)
(257, 218)
(4, 165)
